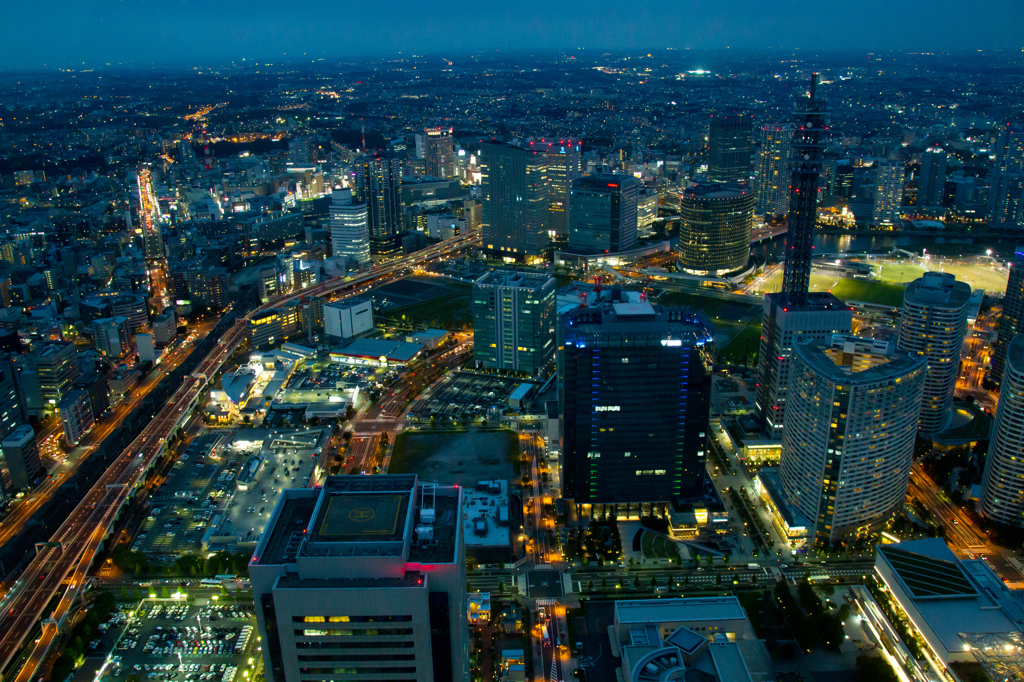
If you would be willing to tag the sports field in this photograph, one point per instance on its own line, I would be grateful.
(862, 290)
(982, 274)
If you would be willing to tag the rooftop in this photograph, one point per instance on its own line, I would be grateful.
(852, 360)
(938, 289)
(678, 610)
(395, 351)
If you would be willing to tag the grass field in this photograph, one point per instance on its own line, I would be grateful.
(743, 347)
(867, 291)
(656, 546)
(979, 275)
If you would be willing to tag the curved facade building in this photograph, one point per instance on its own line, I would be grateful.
(851, 422)
(714, 231)
(934, 322)
(1002, 487)
(730, 147)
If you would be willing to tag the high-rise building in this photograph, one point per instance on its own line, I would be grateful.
(56, 368)
(514, 321)
(563, 167)
(794, 315)
(21, 462)
(350, 228)
(439, 152)
(634, 395)
(888, 193)
(773, 169)
(730, 147)
(1002, 485)
(76, 415)
(841, 179)
(364, 578)
(603, 214)
(646, 212)
(782, 328)
(111, 336)
(1011, 320)
(379, 186)
(805, 168)
(932, 180)
(714, 228)
(12, 416)
(1006, 200)
(933, 322)
(515, 197)
(851, 423)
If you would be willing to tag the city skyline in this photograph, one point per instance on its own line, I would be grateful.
(168, 33)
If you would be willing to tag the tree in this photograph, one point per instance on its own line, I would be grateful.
(873, 669)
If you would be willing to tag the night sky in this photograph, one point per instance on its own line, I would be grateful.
(67, 33)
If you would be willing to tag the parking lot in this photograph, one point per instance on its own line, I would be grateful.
(168, 639)
(464, 396)
(185, 504)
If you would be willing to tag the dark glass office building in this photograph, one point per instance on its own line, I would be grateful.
(379, 186)
(603, 214)
(634, 393)
(730, 147)
(1011, 321)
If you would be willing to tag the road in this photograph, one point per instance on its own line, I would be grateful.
(22, 510)
(82, 533)
(960, 530)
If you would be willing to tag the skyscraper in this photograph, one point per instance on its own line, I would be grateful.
(773, 169)
(1002, 486)
(932, 180)
(12, 416)
(514, 190)
(379, 186)
(364, 578)
(730, 147)
(634, 395)
(851, 423)
(933, 322)
(714, 230)
(1006, 200)
(805, 169)
(563, 161)
(439, 152)
(1009, 157)
(350, 228)
(888, 193)
(794, 315)
(603, 214)
(514, 321)
(1011, 321)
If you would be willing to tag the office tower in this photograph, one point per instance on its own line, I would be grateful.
(439, 152)
(603, 214)
(730, 147)
(350, 228)
(851, 424)
(1006, 200)
(888, 193)
(646, 212)
(379, 186)
(634, 395)
(563, 161)
(714, 228)
(12, 417)
(1011, 320)
(364, 578)
(794, 315)
(933, 322)
(301, 151)
(514, 191)
(21, 462)
(347, 318)
(932, 179)
(111, 336)
(1002, 490)
(773, 169)
(76, 415)
(805, 169)
(514, 321)
(841, 179)
(56, 368)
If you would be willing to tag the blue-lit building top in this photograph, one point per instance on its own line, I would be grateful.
(634, 393)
